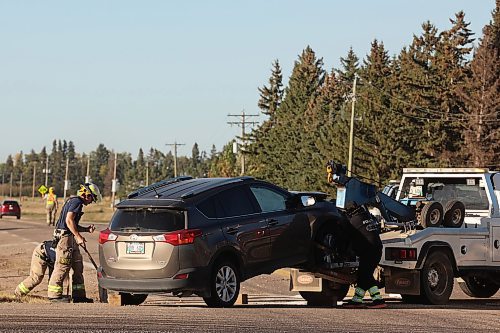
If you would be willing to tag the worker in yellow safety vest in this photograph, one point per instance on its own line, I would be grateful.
(51, 206)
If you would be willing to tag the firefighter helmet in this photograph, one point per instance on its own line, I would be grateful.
(90, 189)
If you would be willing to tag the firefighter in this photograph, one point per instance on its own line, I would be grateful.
(67, 235)
(364, 232)
(365, 236)
(51, 206)
(44, 256)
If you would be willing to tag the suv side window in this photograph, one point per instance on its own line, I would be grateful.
(211, 208)
(236, 202)
(268, 199)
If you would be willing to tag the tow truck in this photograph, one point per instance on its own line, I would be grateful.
(444, 223)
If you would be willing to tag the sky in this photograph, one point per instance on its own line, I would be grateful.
(142, 74)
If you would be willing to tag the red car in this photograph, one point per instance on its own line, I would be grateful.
(10, 208)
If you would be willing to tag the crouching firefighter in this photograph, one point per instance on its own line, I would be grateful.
(43, 257)
(353, 197)
(67, 235)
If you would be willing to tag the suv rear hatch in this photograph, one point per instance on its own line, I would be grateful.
(136, 243)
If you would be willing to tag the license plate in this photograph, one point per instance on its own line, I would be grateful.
(135, 248)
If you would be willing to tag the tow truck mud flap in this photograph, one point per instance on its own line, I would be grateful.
(402, 281)
(304, 281)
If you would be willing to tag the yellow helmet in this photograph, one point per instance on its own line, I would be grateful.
(90, 189)
(51, 190)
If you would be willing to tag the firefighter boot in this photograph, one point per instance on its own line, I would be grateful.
(377, 300)
(357, 300)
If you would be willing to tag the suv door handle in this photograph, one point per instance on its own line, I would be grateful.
(272, 222)
(232, 230)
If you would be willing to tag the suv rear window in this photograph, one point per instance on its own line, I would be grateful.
(10, 203)
(147, 220)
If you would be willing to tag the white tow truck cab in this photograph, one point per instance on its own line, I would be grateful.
(421, 264)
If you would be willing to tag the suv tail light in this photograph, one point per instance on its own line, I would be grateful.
(106, 236)
(400, 254)
(179, 237)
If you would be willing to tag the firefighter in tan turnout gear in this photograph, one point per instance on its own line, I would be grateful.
(51, 206)
(68, 236)
(43, 256)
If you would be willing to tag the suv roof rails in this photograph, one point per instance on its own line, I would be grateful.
(192, 193)
(156, 185)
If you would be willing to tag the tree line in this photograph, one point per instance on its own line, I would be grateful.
(435, 104)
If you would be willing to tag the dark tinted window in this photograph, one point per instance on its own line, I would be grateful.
(236, 202)
(269, 200)
(10, 203)
(147, 219)
(208, 208)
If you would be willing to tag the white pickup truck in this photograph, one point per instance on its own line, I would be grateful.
(422, 264)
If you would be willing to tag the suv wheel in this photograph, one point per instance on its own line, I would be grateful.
(133, 299)
(224, 285)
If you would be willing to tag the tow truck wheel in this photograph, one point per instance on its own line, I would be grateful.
(475, 286)
(437, 279)
(330, 294)
(431, 215)
(454, 214)
(224, 285)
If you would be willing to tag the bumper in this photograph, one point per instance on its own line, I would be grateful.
(197, 282)
(10, 214)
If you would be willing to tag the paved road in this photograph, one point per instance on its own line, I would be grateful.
(271, 308)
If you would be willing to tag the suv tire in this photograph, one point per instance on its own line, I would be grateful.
(224, 285)
(133, 299)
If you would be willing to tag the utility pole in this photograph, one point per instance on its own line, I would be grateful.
(351, 132)
(10, 191)
(147, 172)
(87, 177)
(46, 170)
(243, 123)
(34, 177)
(175, 144)
(21, 188)
(114, 184)
(3, 181)
(66, 185)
